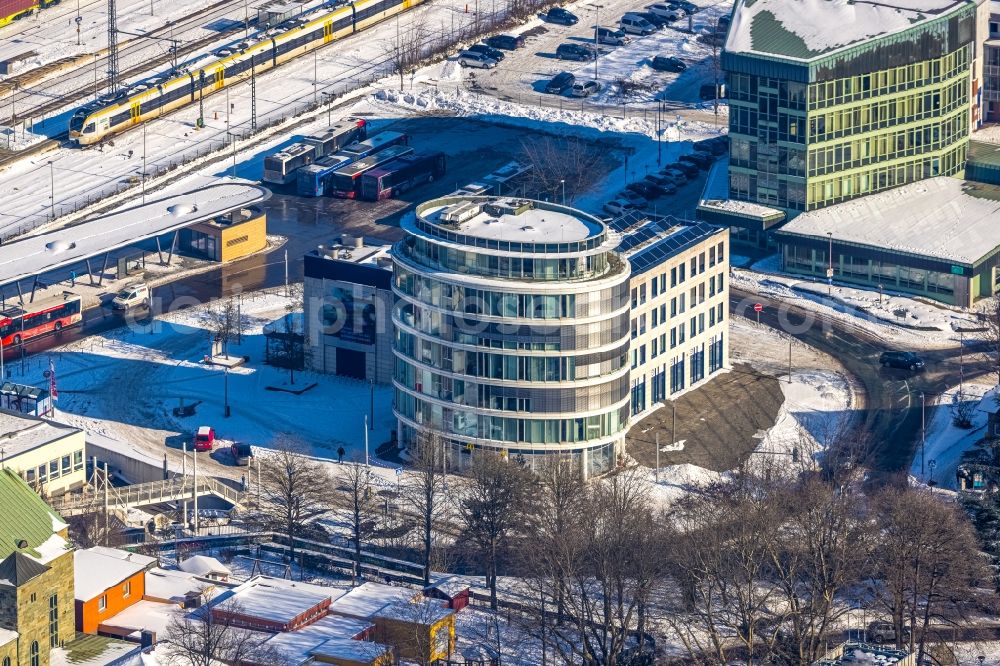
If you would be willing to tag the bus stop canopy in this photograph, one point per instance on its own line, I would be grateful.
(36, 255)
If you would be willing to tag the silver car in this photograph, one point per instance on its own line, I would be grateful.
(474, 59)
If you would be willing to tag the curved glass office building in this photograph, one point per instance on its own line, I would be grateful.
(512, 331)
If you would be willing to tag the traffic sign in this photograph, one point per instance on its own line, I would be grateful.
(757, 307)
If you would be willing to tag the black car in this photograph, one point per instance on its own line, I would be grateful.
(506, 42)
(668, 64)
(488, 51)
(657, 20)
(574, 52)
(560, 15)
(645, 189)
(899, 359)
(685, 6)
(698, 158)
(559, 83)
(686, 168)
(716, 145)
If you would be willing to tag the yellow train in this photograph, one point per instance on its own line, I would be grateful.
(90, 124)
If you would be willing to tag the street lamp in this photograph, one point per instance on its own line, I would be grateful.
(932, 463)
(829, 270)
(52, 191)
(371, 405)
(226, 391)
(923, 431)
(328, 100)
(562, 181)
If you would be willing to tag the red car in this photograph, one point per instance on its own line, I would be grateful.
(204, 439)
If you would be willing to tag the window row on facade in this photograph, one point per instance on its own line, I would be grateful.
(55, 468)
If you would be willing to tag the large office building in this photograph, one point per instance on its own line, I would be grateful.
(991, 65)
(835, 99)
(535, 329)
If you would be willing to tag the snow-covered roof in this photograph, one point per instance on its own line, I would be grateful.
(55, 249)
(6, 636)
(806, 29)
(120, 554)
(451, 586)
(95, 572)
(20, 432)
(336, 626)
(990, 403)
(366, 600)
(203, 565)
(426, 612)
(943, 218)
(348, 650)
(171, 585)
(276, 599)
(531, 223)
(144, 614)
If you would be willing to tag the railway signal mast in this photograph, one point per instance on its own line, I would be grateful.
(112, 48)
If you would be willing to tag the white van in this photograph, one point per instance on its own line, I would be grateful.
(131, 295)
(636, 25)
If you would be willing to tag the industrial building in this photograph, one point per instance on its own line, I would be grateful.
(831, 100)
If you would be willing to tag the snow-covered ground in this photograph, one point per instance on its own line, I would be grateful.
(891, 316)
(944, 442)
(124, 385)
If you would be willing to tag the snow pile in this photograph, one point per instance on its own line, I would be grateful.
(944, 442)
(816, 410)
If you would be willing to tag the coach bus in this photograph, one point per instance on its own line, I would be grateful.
(346, 181)
(280, 168)
(393, 178)
(22, 323)
(313, 180)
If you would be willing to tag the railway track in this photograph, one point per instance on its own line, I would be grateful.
(78, 84)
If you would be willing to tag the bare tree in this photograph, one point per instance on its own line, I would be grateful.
(212, 635)
(423, 491)
(296, 490)
(355, 496)
(491, 505)
(928, 560)
(405, 50)
(561, 165)
(226, 324)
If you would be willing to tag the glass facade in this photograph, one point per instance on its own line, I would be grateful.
(826, 131)
(492, 353)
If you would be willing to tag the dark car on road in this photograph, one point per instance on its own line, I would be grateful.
(506, 42)
(574, 52)
(559, 83)
(488, 51)
(560, 15)
(901, 359)
(668, 64)
(242, 453)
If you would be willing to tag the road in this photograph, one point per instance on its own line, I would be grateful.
(889, 408)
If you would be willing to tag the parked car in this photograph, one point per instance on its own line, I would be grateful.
(708, 91)
(579, 52)
(611, 37)
(664, 182)
(646, 189)
(204, 438)
(585, 88)
(506, 42)
(668, 64)
(689, 169)
(666, 11)
(885, 632)
(477, 60)
(560, 15)
(655, 20)
(618, 207)
(716, 145)
(698, 158)
(131, 296)
(712, 38)
(901, 359)
(488, 51)
(242, 453)
(685, 6)
(559, 83)
(634, 24)
(672, 171)
(637, 200)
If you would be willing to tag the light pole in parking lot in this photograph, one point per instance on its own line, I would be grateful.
(597, 25)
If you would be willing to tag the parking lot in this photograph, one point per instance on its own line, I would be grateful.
(523, 73)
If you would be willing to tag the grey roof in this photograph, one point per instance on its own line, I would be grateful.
(18, 569)
(21, 432)
(942, 218)
(808, 29)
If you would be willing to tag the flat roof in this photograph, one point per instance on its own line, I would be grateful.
(46, 252)
(172, 585)
(808, 29)
(943, 218)
(715, 196)
(275, 599)
(530, 225)
(428, 611)
(348, 650)
(95, 572)
(366, 600)
(20, 432)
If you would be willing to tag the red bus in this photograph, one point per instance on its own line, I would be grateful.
(346, 181)
(395, 177)
(31, 320)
